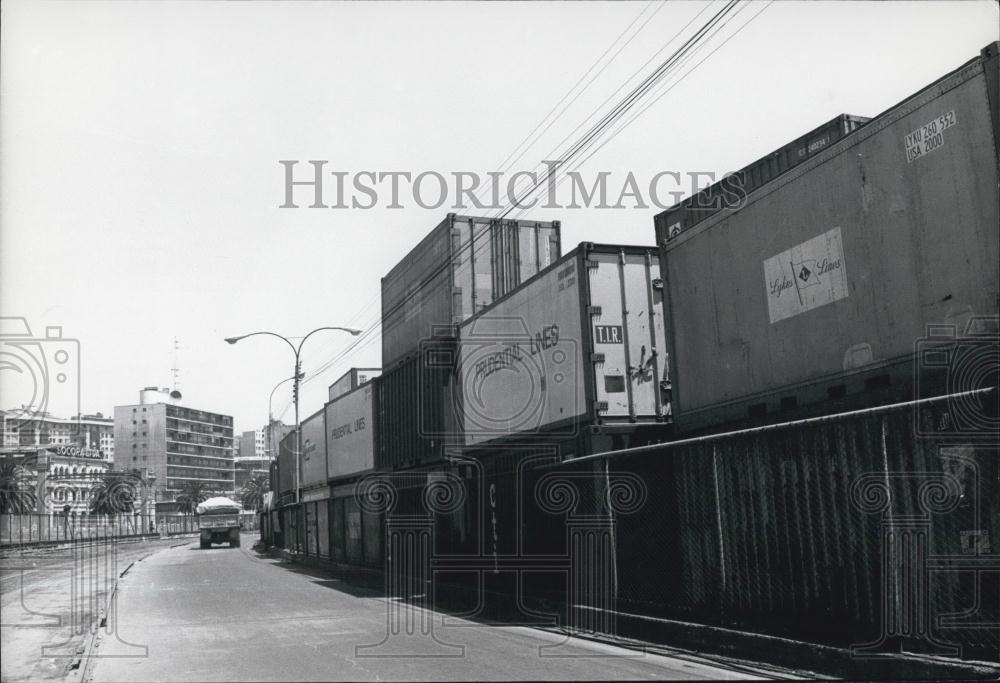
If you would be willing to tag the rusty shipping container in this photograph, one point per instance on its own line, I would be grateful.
(350, 444)
(350, 380)
(412, 408)
(462, 266)
(579, 346)
(729, 192)
(825, 283)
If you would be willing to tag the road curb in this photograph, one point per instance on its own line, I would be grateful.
(62, 544)
(796, 654)
(80, 669)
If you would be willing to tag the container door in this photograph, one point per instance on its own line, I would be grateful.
(628, 335)
(482, 254)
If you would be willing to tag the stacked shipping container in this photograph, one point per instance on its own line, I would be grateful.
(822, 283)
(731, 191)
(462, 266)
(352, 379)
(579, 347)
(827, 279)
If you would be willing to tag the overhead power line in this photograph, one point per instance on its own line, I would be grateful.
(591, 142)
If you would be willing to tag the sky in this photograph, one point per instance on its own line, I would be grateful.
(140, 184)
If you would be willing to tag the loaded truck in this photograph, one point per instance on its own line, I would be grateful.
(219, 522)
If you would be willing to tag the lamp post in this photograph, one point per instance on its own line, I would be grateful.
(297, 376)
(270, 415)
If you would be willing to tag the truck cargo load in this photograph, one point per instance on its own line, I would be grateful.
(827, 281)
(462, 266)
(219, 522)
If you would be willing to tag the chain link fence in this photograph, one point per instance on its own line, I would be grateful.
(853, 531)
(35, 529)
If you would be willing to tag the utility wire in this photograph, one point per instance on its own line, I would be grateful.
(621, 87)
(625, 105)
(612, 118)
(507, 166)
(667, 87)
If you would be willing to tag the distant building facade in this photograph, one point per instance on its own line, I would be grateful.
(176, 444)
(252, 460)
(90, 435)
(273, 434)
(59, 477)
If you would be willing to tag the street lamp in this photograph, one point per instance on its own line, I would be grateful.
(297, 376)
(270, 415)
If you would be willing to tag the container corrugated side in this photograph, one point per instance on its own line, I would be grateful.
(730, 191)
(350, 380)
(826, 281)
(579, 345)
(286, 465)
(464, 264)
(412, 407)
(350, 444)
(314, 449)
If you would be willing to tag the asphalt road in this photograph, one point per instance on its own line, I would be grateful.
(185, 614)
(49, 598)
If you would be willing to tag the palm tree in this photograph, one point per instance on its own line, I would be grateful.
(16, 494)
(115, 493)
(252, 493)
(193, 493)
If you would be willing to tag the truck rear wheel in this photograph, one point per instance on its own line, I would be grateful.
(205, 544)
(234, 543)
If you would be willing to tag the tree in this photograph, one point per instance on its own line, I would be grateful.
(252, 493)
(193, 493)
(16, 489)
(115, 493)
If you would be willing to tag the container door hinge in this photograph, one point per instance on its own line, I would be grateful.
(597, 357)
(600, 406)
(593, 310)
(591, 262)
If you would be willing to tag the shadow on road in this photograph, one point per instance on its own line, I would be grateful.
(455, 597)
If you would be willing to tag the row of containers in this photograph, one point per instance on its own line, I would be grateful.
(782, 413)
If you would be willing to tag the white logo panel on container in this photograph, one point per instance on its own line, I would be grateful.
(806, 276)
